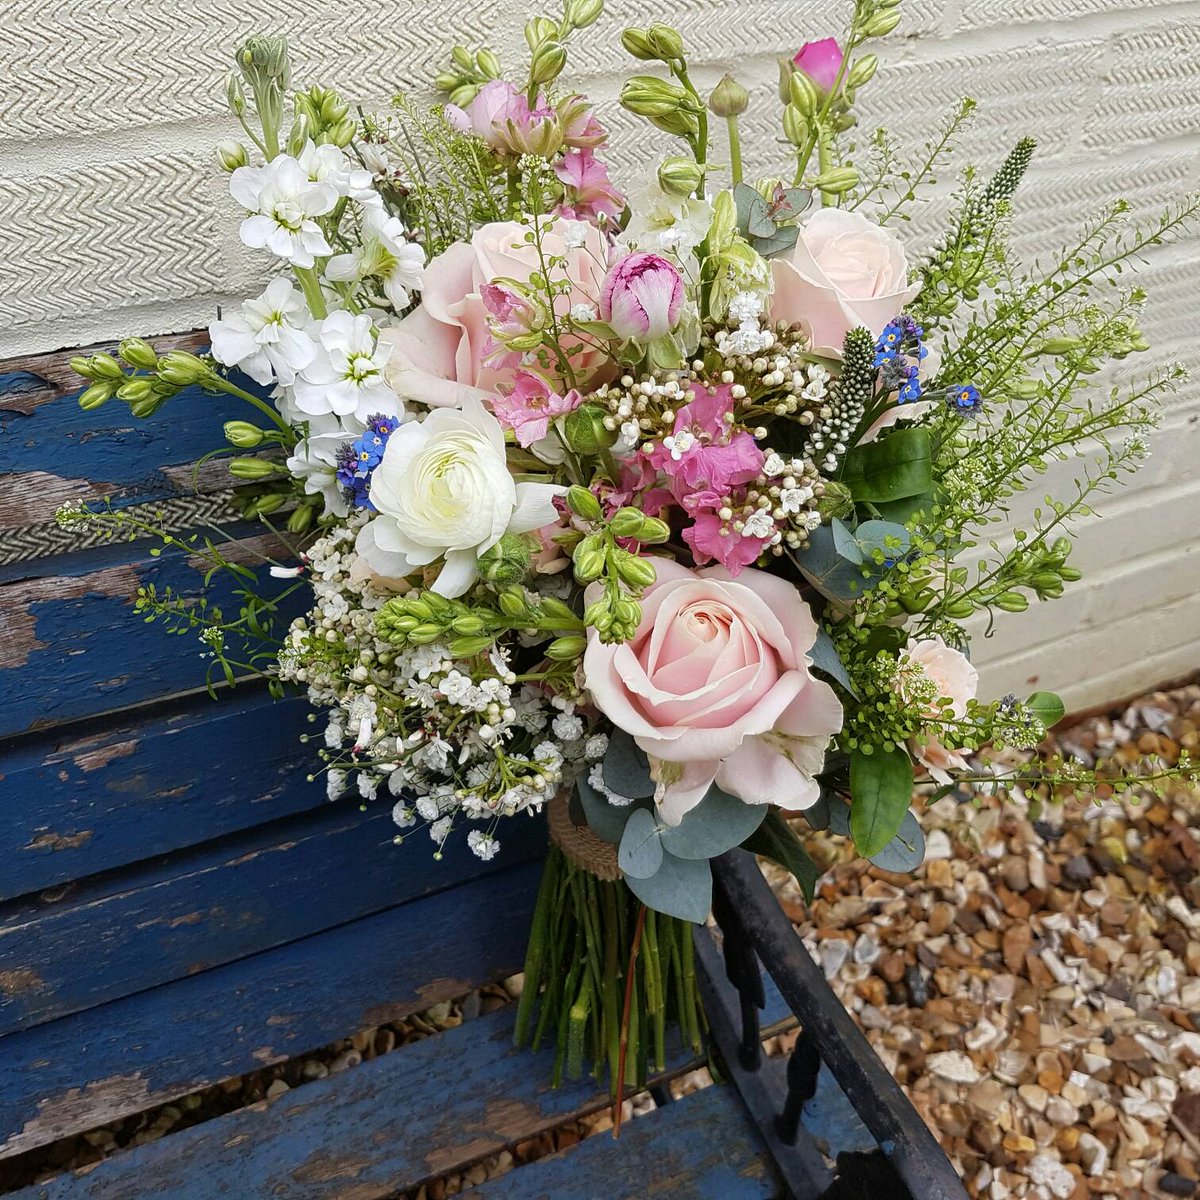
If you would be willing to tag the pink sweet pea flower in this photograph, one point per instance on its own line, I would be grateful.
(642, 297)
(705, 449)
(820, 61)
(531, 406)
(502, 116)
(590, 192)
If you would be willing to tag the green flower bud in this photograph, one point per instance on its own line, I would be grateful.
(301, 519)
(468, 647)
(252, 468)
(135, 389)
(795, 125)
(148, 406)
(679, 176)
(424, 634)
(960, 609)
(1012, 602)
(464, 94)
(567, 647)
(234, 94)
(506, 562)
(628, 614)
(548, 61)
(583, 503)
(635, 571)
(513, 603)
(447, 81)
(1025, 389)
(626, 523)
(653, 531)
(1059, 345)
(262, 506)
(539, 30)
(589, 563)
(786, 71)
(231, 154)
(104, 366)
(82, 366)
(637, 43)
(803, 94)
(729, 98)
(882, 23)
(182, 369)
(94, 396)
(837, 180)
(462, 58)
(649, 96)
(138, 353)
(582, 13)
(1069, 574)
(1061, 548)
(243, 435)
(863, 71)
(665, 42)
(488, 64)
(584, 430)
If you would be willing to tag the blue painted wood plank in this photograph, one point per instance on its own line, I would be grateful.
(147, 782)
(93, 1067)
(427, 1109)
(74, 648)
(121, 933)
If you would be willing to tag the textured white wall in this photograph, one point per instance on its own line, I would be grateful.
(113, 221)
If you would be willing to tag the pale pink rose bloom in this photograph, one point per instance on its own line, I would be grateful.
(844, 271)
(715, 686)
(820, 61)
(957, 681)
(443, 353)
(642, 297)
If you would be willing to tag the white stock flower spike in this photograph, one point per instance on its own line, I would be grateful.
(266, 339)
(284, 204)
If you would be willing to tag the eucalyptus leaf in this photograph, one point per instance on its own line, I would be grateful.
(759, 222)
(605, 819)
(626, 767)
(817, 815)
(892, 540)
(791, 202)
(881, 785)
(641, 851)
(718, 823)
(681, 887)
(839, 816)
(781, 240)
(845, 542)
(744, 197)
(829, 572)
(825, 658)
(775, 839)
(899, 464)
(1047, 707)
(906, 851)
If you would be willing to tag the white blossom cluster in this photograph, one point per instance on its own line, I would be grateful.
(449, 738)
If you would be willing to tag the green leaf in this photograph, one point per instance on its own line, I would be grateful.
(881, 785)
(626, 767)
(641, 850)
(718, 823)
(900, 464)
(681, 887)
(775, 839)
(825, 658)
(831, 574)
(759, 222)
(1047, 707)
(744, 197)
(781, 240)
(845, 543)
(891, 540)
(906, 851)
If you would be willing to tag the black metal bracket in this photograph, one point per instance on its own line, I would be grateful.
(884, 1150)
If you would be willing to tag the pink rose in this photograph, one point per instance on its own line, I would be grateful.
(715, 686)
(820, 61)
(642, 297)
(443, 353)
(844, 271)
(501, 115)
(957, 681)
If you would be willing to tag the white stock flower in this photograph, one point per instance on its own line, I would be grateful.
(346, 377)
(284, 202)
(314, 460)
(443, 490)
(266, 338)
(669, 224)
(329, 165)
(384, 254)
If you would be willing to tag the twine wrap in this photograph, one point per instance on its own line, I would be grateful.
(584, 849)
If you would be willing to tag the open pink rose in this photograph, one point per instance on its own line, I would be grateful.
(820, 61)
(844, 271)
(443, 353)
(715, 686)
(957, 681)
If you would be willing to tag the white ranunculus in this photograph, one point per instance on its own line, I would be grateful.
(844, 271)
(443, 490)
(346, 377)
(266, 338)
(283, 202)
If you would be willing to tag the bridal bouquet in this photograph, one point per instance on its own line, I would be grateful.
(665, 506)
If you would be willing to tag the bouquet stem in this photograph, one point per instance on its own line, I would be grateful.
(604, 976)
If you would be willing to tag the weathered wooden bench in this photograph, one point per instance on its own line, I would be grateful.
(180, 906)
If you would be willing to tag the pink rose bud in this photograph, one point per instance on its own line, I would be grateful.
(820, 61)
(642, 297)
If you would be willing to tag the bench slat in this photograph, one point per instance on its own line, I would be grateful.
(428, 1109)
(221, 903)
(73, 648)
(93, 1067)
(146, 783)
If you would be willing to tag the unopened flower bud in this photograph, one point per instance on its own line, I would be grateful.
(182, 369)
(464, 94)
(147, 406)
(803, 94)
(589, 563)
(243, 435)
(135, 389)
(548, 61)
(461, 57)
(1013, 602)
(863, 70)
(795, 125)
(729, 98)
(231, 154)
(341, 134)
(104, 366)
(447, 81)
(539, 30)
(786, 71)
(252, 468)
(582, 13)
(584, 430)
(637, 43)
(94, 396)
(138, 353)
(583, 503)
(564, 648)
(488, 63)
(665, 42)
(301, 519)
(234, 94)
(882, 23)
(679, 176)
(837, 180)
(506, 562)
